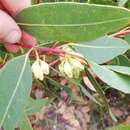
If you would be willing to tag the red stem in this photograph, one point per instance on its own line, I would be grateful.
(123, 32)
(50, 50)
(54, 62)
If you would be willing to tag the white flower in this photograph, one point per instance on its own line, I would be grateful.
(76, 64)
(39, 68)
(66, 68)
(77, 67)
(71, 66)
(61, 67)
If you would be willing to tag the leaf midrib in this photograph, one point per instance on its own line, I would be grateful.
(101, 47)
(73, 25)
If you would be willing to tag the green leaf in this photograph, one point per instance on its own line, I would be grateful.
(103, 49)
(122, 2)
(34, 106)
(16, 82)
(127, 38)
(120, 127)
(121, 60)
(115, 80)
(99, 90)
(85, 92)
(25, 123)
(90, 96)
(74, 22)
(120, 69)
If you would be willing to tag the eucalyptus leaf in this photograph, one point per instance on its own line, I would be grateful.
(121, 60)
(102, 49)
(16, 82)
(25, 123)
(127, 38)
(115, 80)
(89, 95)
(99, 90)
(73, 22)
(120, 69)
(86, 92)
(34, 106)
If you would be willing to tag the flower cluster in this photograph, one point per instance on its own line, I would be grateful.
(70, 66)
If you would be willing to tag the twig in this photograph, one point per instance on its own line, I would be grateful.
(118, 34)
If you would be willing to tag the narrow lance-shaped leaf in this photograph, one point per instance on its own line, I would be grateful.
(74, 22)
(101, 93)
(86, 92)
(121, 60)
(102, 49)
(15, 82)
(120, 69)
(115, 80)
